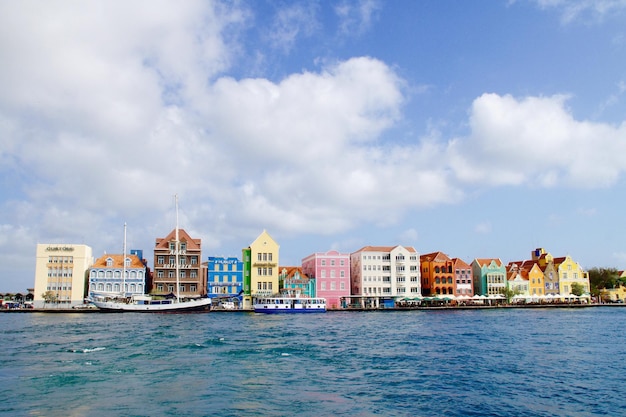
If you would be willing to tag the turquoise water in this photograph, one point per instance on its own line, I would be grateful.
(501, 362)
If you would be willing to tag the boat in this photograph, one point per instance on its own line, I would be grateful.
(277, 305)
(144, 303)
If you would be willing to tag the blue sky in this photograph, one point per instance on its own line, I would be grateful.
(477, 129)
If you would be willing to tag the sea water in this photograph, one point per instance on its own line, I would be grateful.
(499, 362)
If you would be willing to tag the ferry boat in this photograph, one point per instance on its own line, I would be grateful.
(275, 305)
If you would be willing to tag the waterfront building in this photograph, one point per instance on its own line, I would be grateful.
(60, 274)
(115, 276)
(489, 276)
(192, 281)
(516, 281)
(294, 283)
(560, 273)
(437, 275)
(384, 274)
(331, 271)
(260, 269)
(462, 278)
(224, 277)
(531, 271)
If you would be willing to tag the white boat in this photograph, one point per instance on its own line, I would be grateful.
(276, 305)
(143, 303)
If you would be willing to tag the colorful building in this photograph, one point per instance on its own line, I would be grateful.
(60, 274)
(489, 276)
(437, 275)
(294, 283)
(331, 271)
(560, 273)
(463, 278)
(260, 269)
(224, 277)
(115, 275)
(191, 280)
(380, 275)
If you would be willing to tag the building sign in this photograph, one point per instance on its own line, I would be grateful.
(59, 249)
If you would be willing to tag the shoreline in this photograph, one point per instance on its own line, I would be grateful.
(347, 310)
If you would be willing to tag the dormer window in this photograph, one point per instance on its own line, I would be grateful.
(127, 262)
(172, 245)
(183, 246)
(109, 262)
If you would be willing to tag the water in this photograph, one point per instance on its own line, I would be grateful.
(501, 362)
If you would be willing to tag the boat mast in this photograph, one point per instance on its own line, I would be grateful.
(177, 250)
(124, 265)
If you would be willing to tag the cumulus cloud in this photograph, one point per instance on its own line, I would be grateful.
(536, 141)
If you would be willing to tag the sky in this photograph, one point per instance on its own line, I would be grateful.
(482, 130)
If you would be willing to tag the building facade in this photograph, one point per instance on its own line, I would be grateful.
(560, 273)
(294, 283)
(109, 275)
(380, 275)
(463, 278)
(60, 274)
(224, 277)
(438, 275)
(260, 269)
(191, 280)
(331, 271)
(489, 276)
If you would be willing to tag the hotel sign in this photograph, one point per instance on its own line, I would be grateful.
(59, 249)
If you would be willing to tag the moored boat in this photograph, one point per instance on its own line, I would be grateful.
(275, 305)
(147, 304)
(144, 303)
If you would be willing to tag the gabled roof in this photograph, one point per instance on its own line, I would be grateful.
(460, 262)
(435, 257)
(101, 262)
(384, 249)
(291, 271)
(487, 261)
(183, 236)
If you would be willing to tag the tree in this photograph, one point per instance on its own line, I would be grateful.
(49, 297)
(601, 278)
(509, 293)
(578, 288)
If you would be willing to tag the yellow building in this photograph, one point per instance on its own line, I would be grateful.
(561, 273)
(260, 269)
(613, 294)
(60, 275)
(534, 274)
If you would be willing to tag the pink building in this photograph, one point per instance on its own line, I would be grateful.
(331, 271)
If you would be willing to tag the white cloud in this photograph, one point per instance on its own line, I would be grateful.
(584, 9)
(356, 16)
(290, 23)
(483, 228)
(536, 141)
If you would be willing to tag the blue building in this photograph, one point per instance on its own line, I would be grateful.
(224, 277)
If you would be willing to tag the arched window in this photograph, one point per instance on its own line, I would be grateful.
(116, 288)
(109, 287)
(100, 287)
(436, 269)
(109, 262)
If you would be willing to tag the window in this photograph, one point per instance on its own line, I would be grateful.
(342, 274)
(170, 288)
(323, 262)
(160, 259)
(193, 274)
(172, 245)
(109, 262)
(183, 246)
(172, 260)
(170, 274)
(160, 274)
(192, 288)
(183, 274)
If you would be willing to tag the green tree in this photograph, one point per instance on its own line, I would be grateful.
(577, 288)
(509, 293)
(49, 297)
(601, 278)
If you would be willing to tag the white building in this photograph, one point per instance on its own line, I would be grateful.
(60, 274)
(383, 274)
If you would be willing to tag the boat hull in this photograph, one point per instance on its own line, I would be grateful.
(290, 305)
(174, 307)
